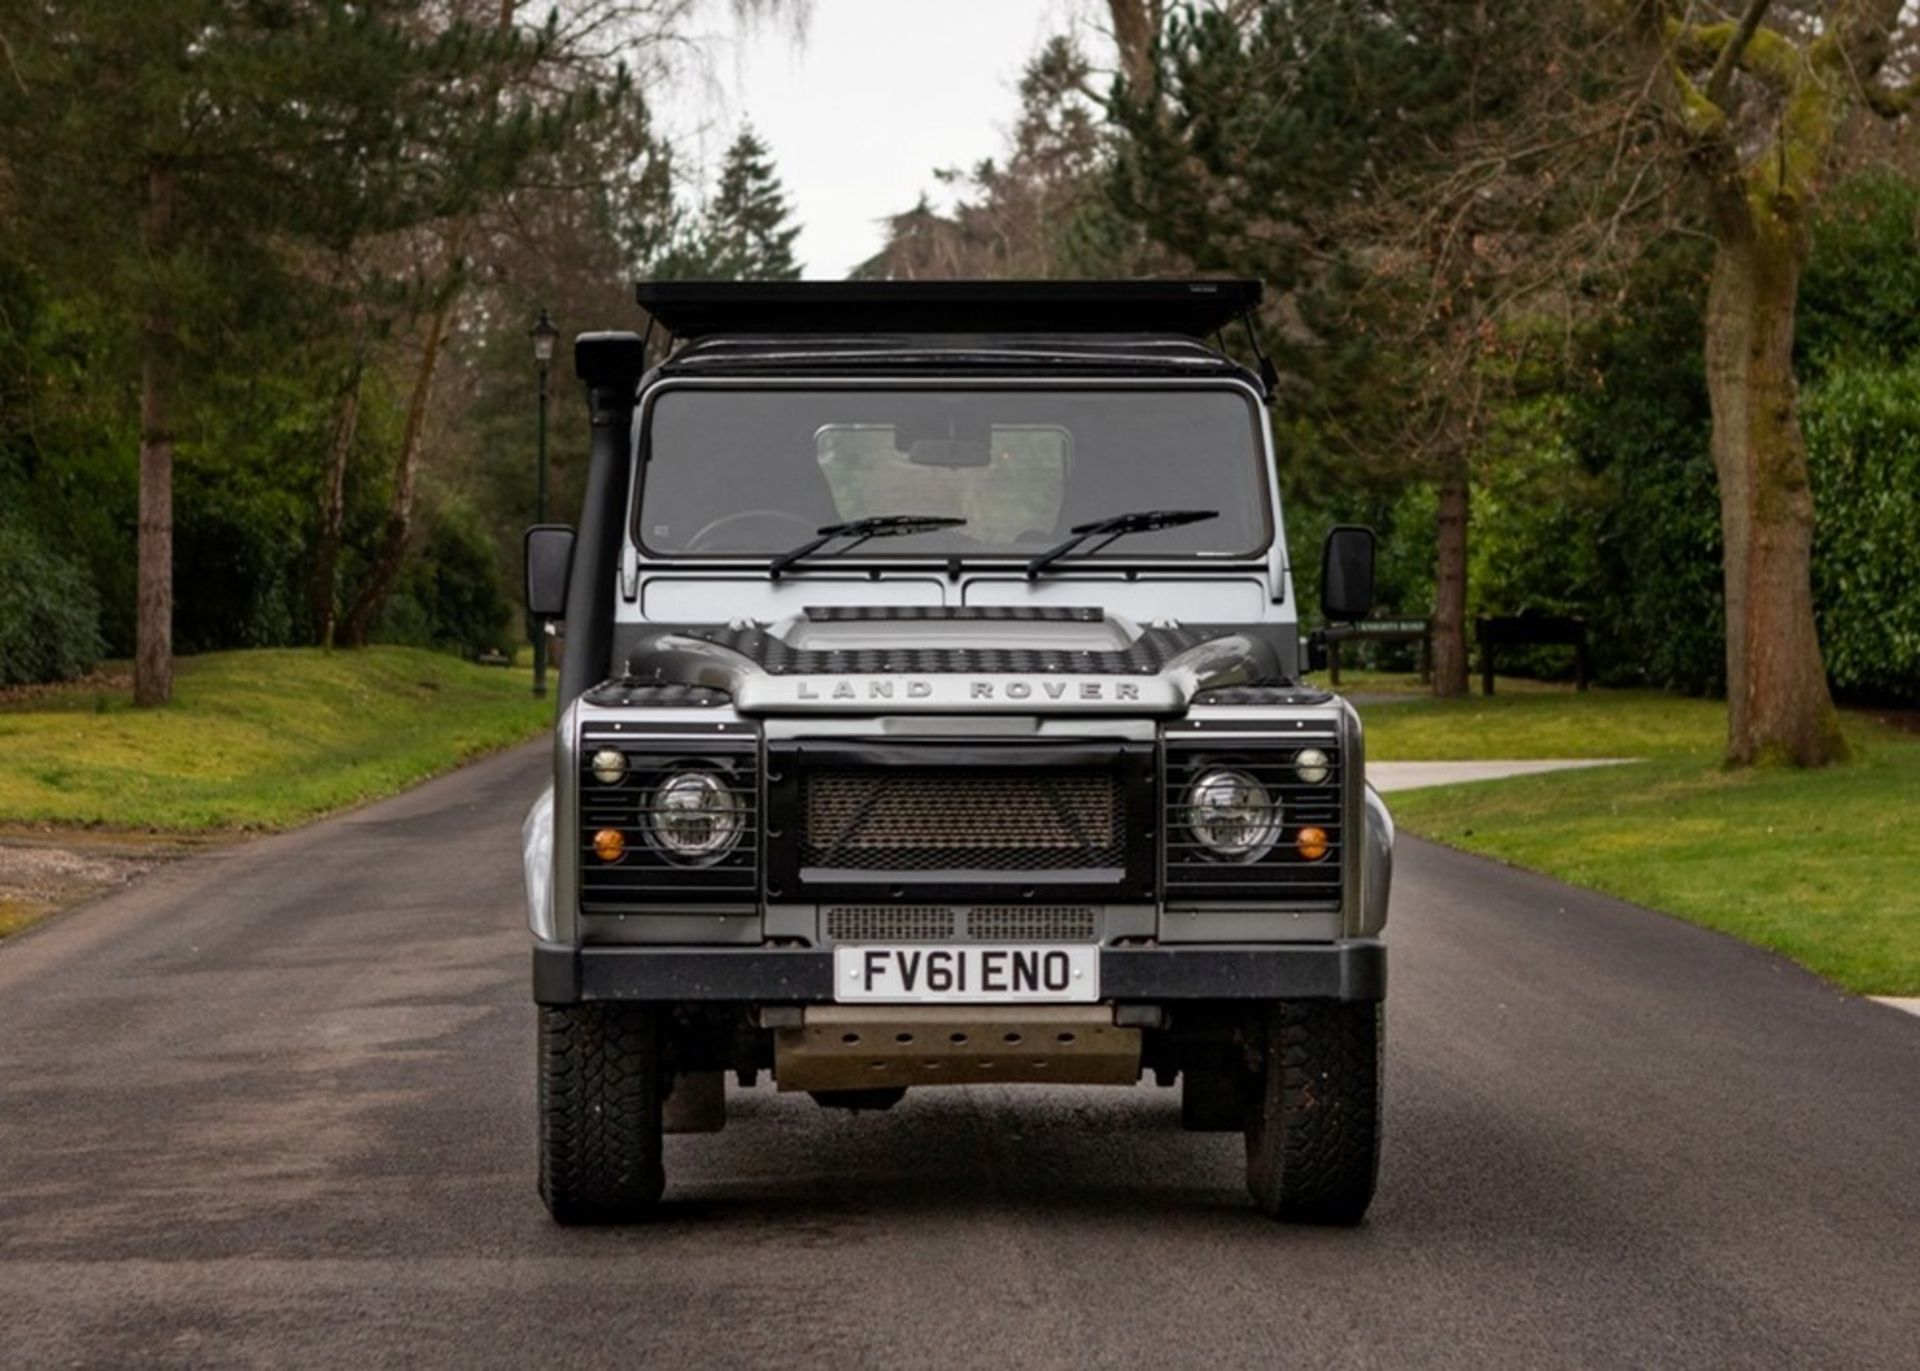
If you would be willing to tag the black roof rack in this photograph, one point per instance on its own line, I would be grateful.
(701, 309)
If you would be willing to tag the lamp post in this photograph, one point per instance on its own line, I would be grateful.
(543, 333)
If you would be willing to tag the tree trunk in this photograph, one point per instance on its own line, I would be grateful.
(1136, 25)
(393, 543)
(333, 509)
(1778, 705)
(1450, 665)
(153, 621)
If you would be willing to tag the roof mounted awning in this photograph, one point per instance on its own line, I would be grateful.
(1191, 308)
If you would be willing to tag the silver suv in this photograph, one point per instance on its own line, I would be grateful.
(931, 713)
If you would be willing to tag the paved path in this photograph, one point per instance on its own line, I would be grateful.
(1391, 776)
(274, 1107)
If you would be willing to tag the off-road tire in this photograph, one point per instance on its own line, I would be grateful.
(601, 1085)
(1313, 1111)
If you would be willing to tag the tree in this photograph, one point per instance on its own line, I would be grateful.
(547, 85)
(1041, 212)
(171, 159)
(1762, 111)
(745, 232)
(1319, 145)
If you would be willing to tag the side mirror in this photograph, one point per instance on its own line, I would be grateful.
(549, 563)
(1346, 574)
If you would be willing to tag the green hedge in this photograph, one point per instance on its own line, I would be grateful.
(449, 594)
(49, 611)
(1862, 424)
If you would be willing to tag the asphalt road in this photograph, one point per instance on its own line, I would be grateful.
(275, 1107)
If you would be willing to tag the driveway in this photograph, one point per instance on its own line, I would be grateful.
(274, 1106)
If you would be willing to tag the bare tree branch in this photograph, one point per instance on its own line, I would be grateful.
(13, 66)
(1735, 48)
(1894, 102)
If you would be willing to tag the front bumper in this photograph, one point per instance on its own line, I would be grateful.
(1355, 969)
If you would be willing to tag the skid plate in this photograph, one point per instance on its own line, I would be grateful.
(861, 1047)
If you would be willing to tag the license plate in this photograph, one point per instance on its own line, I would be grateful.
(1024, 974)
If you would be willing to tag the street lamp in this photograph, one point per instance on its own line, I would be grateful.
(544, 334)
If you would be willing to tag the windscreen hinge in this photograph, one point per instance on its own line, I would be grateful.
(629, 572)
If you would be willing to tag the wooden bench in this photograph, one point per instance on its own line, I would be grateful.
(1531, 630)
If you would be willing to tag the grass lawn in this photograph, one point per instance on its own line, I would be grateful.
(1821, 866)
(256, 740)
(1557, 723)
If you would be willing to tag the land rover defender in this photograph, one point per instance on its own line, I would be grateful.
(930, 713)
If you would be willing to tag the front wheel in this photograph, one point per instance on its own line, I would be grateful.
(1313, 1111)
(601, 1086)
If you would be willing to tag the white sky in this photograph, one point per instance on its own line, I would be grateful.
(862, 108)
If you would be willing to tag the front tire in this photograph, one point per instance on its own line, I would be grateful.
(601, 1085)
(1313, 1111)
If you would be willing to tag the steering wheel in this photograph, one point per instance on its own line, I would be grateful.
(698, 543)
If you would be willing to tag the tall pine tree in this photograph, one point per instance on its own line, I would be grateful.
(746, 232)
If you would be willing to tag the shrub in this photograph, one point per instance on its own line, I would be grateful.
(1862, 423)
(449, 595)
(49, 611)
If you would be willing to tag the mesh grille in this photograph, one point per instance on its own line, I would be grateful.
(892, 924)
(923, 819)
(1035, 924)
(982, 924)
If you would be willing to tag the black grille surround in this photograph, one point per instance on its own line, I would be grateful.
(974, 821)
(1195, 875)
(938, 823)
(645, 877)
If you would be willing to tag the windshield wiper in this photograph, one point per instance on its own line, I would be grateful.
(1117, 526)
(859, 530)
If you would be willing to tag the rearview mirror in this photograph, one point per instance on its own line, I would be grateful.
(1346, 574)
(926, 417)
(549, 564)
(950, 452)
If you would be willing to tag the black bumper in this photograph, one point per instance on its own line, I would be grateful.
(1355, 970)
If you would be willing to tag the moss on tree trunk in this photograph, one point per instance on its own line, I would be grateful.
(1779, 707)
(1760, 131)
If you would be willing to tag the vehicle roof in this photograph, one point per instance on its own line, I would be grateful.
(694, 310)
(1025, 357)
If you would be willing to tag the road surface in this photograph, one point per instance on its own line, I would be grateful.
(275, 1107)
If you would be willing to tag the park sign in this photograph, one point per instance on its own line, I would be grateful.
(1380, 631)
(1391, 630)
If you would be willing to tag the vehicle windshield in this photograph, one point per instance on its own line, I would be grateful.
(743, 473)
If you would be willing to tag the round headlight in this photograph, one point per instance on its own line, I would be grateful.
(609, 766)
(1310, 765)
(1232, 815)
(695, 817)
